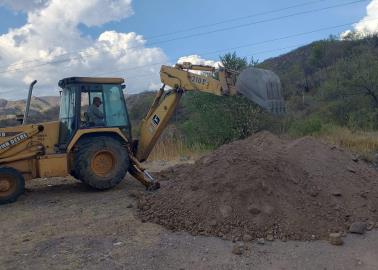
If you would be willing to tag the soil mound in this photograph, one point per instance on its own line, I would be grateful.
(265, 186)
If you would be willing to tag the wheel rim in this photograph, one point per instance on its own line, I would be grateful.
(7, 185)
(103, 163)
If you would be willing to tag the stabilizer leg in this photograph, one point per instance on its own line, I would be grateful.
(141, 174)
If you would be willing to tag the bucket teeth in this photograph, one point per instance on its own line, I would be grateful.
(144, 177)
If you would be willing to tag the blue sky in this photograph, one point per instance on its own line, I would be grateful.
(45, 30)
(165, 16)
(206, 12)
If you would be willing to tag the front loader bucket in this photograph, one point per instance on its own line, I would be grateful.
(262, 87)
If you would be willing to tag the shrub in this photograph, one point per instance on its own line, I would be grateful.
(310, 126)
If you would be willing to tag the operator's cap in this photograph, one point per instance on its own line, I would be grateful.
(97, 99)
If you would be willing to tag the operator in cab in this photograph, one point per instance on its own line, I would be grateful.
(95, 115)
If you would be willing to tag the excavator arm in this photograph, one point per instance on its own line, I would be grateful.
(179, 79)
(219, 81)
(157, 120)
(260, 86)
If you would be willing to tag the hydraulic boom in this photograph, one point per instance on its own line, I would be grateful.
(265, 91)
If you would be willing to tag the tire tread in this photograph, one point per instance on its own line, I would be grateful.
(20, 185)
(82, 158)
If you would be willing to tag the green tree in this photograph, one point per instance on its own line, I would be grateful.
(212, 121)
(318, 54)
(357, 78)
(234, 62)
(352, 36)
(350, 93)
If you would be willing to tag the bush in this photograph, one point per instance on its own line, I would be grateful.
(310, 126)
(213, 121)
(363, 119)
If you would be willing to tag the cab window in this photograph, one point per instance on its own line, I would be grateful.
(88, 93)
(114, 105)
(67, 114)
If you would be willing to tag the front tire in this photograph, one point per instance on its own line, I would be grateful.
(101, 162)
(12, 185)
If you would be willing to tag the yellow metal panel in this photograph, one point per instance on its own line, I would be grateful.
(26, 167)
(82, 132)
(45, 139)
(22, 155)
(188, 81)
(156, 121)
(17, 142)
(52, 165)
(49, 137)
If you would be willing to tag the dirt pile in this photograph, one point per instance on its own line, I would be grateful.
(265, 186)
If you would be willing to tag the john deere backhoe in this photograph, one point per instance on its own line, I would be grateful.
(100, 155)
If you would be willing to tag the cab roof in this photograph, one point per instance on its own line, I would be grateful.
(90, 80)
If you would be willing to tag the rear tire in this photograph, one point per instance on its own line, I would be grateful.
(12, 185)
(101, 162)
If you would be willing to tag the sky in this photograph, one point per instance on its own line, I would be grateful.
(51, 39)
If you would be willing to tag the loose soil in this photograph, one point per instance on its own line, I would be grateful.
(265, 186)
(61, 224)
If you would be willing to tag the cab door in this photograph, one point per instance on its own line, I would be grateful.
(67, 114)
(115, 107)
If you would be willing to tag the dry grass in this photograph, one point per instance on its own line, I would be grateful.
(363, 143)
(173, 149)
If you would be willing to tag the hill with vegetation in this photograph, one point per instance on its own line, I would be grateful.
(331, 90)
(330, 82)
(41, 109)
(330, 86)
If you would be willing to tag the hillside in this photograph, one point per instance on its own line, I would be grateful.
(331, 82)
(326, 83)
(41, 109)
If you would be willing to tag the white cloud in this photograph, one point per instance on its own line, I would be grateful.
(51, 34)
(369, 24)
(198, 60)
(23, 5)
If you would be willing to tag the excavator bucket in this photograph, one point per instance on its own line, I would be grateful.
(262, 87)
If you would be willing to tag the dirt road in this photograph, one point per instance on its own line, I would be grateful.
(64, 225)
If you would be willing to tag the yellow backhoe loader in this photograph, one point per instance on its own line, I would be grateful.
(100, 153)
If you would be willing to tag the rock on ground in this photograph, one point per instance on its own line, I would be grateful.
(358, 227)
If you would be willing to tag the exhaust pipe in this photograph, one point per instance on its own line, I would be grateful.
(27, 108)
